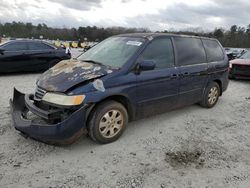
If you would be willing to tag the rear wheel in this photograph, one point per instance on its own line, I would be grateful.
(211, 95)
(107, 122)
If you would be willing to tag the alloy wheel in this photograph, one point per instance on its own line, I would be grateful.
(213, 95)
(111, 123)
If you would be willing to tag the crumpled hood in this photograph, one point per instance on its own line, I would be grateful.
(240, 62)
(69, 73)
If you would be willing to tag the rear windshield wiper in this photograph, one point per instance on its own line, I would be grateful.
(92, 61)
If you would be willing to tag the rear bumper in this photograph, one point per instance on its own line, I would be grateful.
(63, 132)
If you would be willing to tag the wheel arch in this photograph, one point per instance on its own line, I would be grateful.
(220, 85)
(120, 99)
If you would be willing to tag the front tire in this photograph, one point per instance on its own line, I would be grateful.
(107, 122)
(211, 95)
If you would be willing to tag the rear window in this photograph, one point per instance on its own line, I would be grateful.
(213, 50)
(189, 51)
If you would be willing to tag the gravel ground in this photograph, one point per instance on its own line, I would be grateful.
(189, 147)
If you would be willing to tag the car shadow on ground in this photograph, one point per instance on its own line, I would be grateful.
(136, 128)
(246, 81)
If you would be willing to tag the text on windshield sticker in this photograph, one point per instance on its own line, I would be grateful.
(134, 43)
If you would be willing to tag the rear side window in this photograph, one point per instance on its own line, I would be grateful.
(161, 51)
(38, 46)
(16, 46)
(213, 50)
(189, 51)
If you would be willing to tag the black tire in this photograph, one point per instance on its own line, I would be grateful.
(207, 100)
(103, 110)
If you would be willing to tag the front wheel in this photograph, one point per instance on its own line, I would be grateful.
(107, 122)
(211, 95)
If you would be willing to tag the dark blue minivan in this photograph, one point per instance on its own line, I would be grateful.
(123, 78)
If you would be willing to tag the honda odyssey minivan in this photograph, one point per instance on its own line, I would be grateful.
(123, 78)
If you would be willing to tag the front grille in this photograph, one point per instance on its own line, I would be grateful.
(241, 69)
(39, 93)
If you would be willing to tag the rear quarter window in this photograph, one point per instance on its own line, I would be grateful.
(189, 51)
(213, 50)
(39, 46)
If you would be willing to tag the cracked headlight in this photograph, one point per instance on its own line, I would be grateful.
(63, 100)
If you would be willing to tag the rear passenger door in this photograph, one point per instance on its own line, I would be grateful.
(193, 67)
(157, 90)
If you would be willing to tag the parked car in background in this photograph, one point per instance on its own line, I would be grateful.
(240, 67)
(123, 78)
(234, 53)
(29, 55)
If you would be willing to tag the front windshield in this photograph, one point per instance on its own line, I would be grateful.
(114, 51)
(246, 55)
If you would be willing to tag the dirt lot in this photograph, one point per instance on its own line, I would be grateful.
(190, 147)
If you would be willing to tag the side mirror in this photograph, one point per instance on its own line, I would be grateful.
(2, 51)
(147, 65)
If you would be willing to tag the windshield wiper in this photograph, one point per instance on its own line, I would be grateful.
(92, 61)
(98, 63)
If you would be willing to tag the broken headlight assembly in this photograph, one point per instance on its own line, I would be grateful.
(63, 100)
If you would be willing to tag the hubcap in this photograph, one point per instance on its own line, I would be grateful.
(111, 123)
(213, 95)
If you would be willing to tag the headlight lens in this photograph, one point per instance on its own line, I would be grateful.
(63, 100)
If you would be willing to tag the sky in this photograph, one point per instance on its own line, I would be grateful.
(156, 15)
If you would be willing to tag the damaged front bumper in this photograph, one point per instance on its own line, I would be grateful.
(64, 131)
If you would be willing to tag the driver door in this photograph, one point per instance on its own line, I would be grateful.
(15, 57)
(157, 90)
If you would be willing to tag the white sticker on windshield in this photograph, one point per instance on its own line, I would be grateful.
(134, 43)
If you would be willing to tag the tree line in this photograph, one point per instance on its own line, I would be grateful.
(236, 36)
(28, 30)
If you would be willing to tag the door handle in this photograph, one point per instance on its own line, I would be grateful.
(173, 76)
(184, 74)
